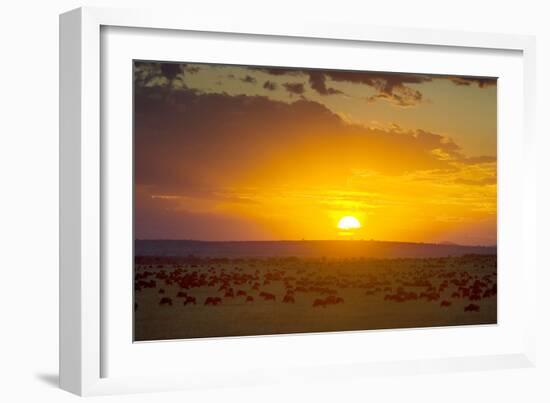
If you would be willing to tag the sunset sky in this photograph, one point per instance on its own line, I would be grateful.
(263, 153)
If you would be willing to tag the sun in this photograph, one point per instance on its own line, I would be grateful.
(349, 222)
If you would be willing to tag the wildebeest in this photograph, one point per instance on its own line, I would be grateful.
(489, 292)
(288, 299)
(391, 285)
(212, 301)
(165, 301)
(267, 296)
(190, 300)
(430, 296)
(319, 302)
(332, 299)
(471, 308)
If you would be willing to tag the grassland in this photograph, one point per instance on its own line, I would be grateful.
(190, 297)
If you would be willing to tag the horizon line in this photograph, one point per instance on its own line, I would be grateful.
(320, 240)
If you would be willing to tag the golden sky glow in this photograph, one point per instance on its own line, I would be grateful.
(349, 223)
(242, 153)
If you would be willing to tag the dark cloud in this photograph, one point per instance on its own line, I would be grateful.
(393, 87)
(270, 85)
(386, 82)
(187, 140)
(159, 74)
(278, 71)
(163, 218)
(317, 81)
(145, 72)
(481, 82)
(194, 148)
(402, 96)
(192, 69)
(170, 70)
(294, 88)
(248, 79)
(396, 88)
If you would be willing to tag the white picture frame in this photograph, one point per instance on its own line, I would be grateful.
(86, 345)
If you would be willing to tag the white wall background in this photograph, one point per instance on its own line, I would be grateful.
(29, 200)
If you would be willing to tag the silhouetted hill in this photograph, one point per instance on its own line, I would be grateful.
(310, 249)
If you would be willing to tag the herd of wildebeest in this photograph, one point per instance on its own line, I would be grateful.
(163, 283)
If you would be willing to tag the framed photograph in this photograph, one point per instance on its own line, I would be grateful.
(248, 203)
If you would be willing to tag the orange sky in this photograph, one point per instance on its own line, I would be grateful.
(242, 153)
